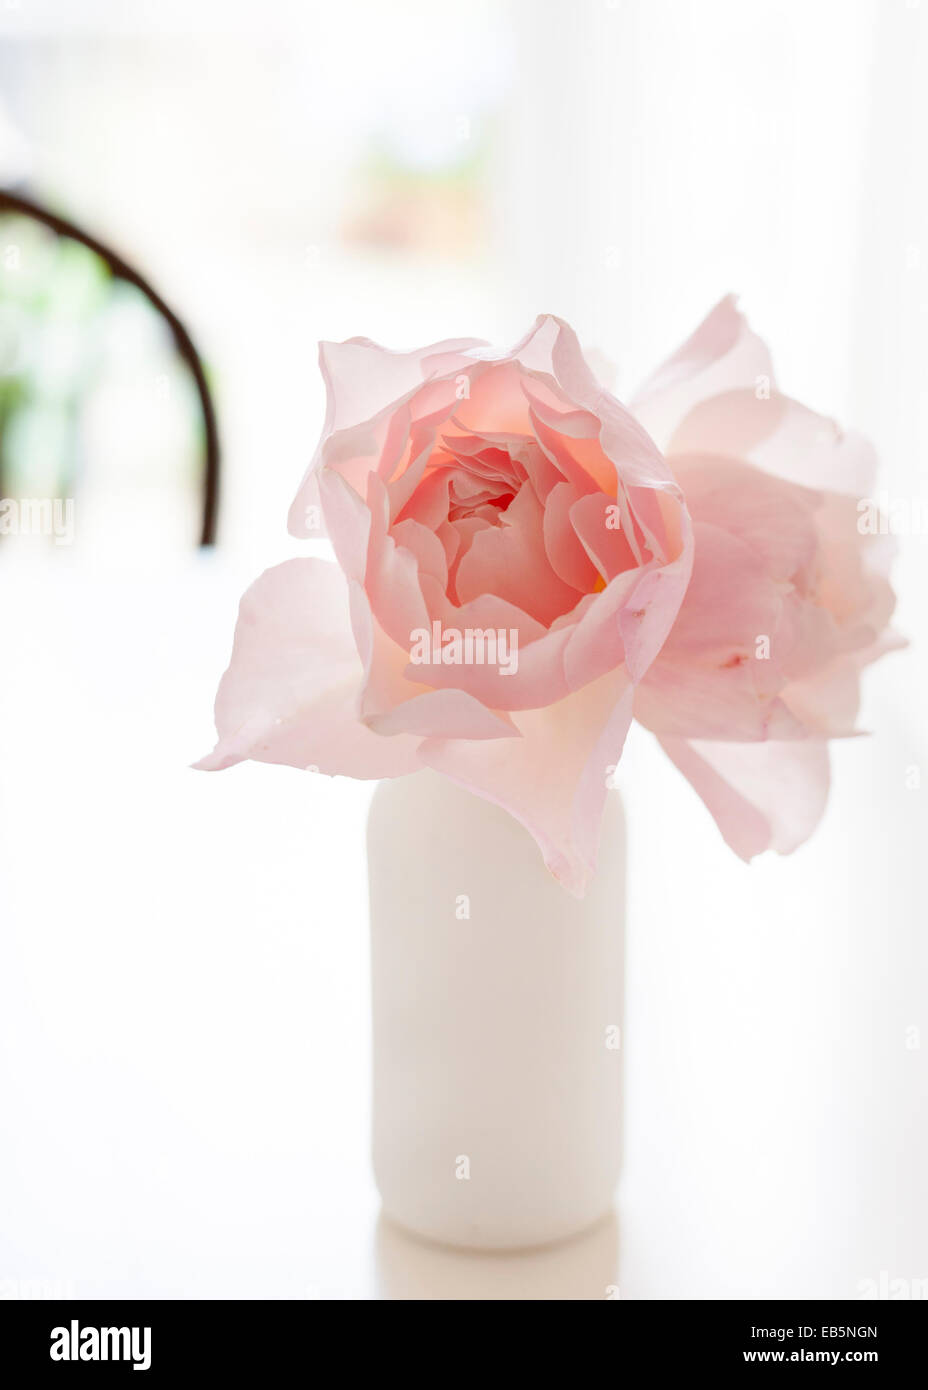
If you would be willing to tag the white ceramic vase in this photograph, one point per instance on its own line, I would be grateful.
(497, 1013)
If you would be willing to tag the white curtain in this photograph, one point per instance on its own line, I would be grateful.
(661, 153)
(658, 154)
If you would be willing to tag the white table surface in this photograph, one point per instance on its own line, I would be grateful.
(184, 1032)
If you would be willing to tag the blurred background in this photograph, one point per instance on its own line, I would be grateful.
(183, 1008)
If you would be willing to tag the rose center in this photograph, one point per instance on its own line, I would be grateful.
(489, 504)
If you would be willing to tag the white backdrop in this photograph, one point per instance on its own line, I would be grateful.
(183, 1016)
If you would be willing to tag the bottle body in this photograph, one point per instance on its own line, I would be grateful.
(497, 1003)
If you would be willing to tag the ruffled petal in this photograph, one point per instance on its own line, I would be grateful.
(780, 436)
(777, 520)
(761, 795)
(715, 676)
(444, 714)
(366, 387)
(291, 692)
(510, 561)
(722, 355)
(554, 779)
(566, 553)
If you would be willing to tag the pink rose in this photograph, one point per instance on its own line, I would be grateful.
(509, 498)
(787, 601)
(501, 512)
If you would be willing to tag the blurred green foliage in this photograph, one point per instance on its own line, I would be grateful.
(94, 399)
(53, 292)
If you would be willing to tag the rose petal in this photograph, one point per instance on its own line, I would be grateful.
(761, 795)
(554, 778)
(365, 386)
(568, 557)
(722, 355)
(510, 562)
(291, 692)
(775, 519)
(444, 714)
(713, 677)
(780, 436)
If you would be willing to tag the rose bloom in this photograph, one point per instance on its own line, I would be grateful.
(466, 490)
(787, 600)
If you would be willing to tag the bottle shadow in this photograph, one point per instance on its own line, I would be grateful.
(584, 1267)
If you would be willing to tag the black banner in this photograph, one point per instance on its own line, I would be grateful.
(63, 1339)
